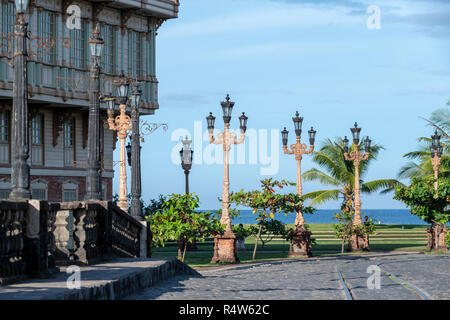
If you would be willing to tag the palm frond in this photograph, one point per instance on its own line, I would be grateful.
(386, 184)
(321, 196)
(315, 174)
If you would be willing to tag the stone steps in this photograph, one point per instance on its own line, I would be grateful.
(107, 281)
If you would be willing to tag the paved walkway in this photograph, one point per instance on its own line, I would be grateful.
(402, 277)
(112, 280)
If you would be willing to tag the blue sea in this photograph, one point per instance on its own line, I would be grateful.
(383, 216)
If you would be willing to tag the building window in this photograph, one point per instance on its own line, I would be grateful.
(5, 188)
(135, 54)
(78, 47)
(47, 34)
(4, 126)
(105, 190)
(108, 58)
(39, 190)
(8, 21)
(4, 137)
(69, 195)
(39, 194)
(69, 142)
(37, 136)
(70, 191)
(36, 130)
(4, 193)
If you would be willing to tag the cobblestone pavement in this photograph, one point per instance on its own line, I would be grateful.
(314, 278)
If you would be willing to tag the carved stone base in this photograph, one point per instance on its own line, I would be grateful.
(225, 250)
(358, 243)
(300, 245)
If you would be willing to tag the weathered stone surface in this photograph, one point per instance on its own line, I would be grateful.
(225, 249)
(112, 280)
(317, 278)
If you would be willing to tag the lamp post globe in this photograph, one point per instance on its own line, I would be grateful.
(227, 108)
(346, 141)
(367, 143)
(96, 44)
(136, 94)
(312, 136)
(123, 86)
(210, 122)
(355, 132)
(21, 5)
(186, 155)
(284, 136)
(297, 124)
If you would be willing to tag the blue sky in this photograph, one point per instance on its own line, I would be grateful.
(277, 56)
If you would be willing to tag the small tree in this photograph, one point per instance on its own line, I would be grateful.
(429, 205)
(155, 205)
(266, 202)
(178, 220)
(270, 229)
(344, 228)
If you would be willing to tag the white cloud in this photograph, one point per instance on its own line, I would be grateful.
(267, 18)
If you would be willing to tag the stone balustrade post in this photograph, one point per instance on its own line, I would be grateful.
(85, 234)
(62, 236)
(143, 240)
(32, 244)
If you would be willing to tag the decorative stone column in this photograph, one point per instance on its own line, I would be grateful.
(225, 249)
(20, 147)
(94, 174)
(121, 124)
(358, 242)
(300, 237)
(136, 185)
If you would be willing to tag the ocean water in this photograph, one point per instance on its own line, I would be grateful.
(384, 216)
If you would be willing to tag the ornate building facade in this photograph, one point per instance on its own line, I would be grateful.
(58, 83)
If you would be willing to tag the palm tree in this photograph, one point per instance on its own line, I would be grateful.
(440, 121)
(420, 165)
(339, 173)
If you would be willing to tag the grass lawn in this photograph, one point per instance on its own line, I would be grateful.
(386, 238)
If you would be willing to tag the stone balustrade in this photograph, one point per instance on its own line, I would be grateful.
(34, 236)
(12, 236)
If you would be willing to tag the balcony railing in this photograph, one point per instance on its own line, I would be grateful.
(34, 236)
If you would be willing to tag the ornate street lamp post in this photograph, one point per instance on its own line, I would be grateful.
(301, 243)
(94, 174)
(225, 245)
(437, 232)
(20, 170)
(358, 242)
(136, 187)
(121, 124)
(186, 155)
(436, 155)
